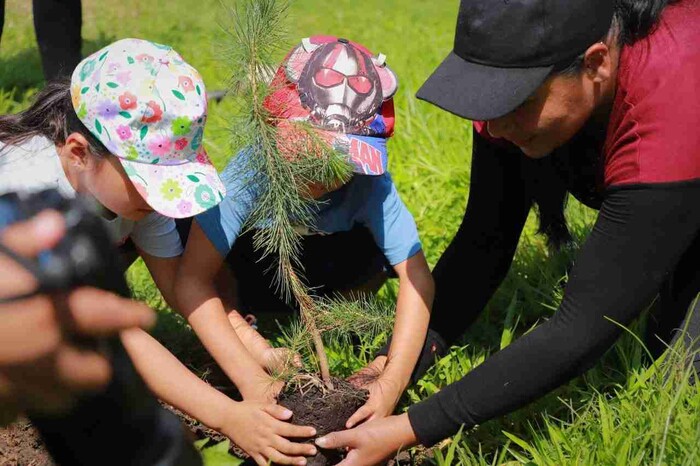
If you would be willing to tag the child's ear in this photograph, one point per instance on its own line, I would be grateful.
(299, 58)
(76, 150)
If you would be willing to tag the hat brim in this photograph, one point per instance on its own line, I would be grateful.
(177, 191)
(479, 92)
(368, 155)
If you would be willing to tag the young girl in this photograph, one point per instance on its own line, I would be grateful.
(344, 92)
(127, 130)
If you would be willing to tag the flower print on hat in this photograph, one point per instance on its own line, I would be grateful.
(185, 83)
(205, 197)
(107, 109)
(181, 126)
(159, 145)
(153, 113)
(149, 107)
(181, 143)
(127, 101)
(124, 132)
(171, 190)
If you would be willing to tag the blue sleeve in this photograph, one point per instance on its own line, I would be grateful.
(389, 221)
(224, 223)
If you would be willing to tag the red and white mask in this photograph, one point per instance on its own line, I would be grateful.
(340, 83)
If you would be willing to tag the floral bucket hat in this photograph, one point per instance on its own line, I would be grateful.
(149, 107)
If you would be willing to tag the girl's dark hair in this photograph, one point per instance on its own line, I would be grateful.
(632, 20)
(50, 115)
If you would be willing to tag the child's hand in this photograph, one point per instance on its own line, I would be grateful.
(384, 393)
(264, 391)
(277, 360)
(262, 431)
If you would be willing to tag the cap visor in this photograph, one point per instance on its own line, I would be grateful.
(368, 155)
(479, 92)
(177, 191)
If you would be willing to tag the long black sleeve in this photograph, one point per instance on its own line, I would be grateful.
(639, 236)
(486, 240)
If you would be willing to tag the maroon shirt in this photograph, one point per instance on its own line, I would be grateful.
(654, 130)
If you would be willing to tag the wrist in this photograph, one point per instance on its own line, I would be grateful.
(395, 379)
(214, 410)
(226, 414)
(404, 435)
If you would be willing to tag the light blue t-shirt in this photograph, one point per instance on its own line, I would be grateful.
(371, 201)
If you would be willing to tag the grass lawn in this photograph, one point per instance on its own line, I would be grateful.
(621, 412)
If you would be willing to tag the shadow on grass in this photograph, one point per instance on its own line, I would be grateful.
(21, 73)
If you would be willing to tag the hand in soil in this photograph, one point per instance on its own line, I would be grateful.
(262, 431)
(40, 368)
(384, 395)
(372, 442)
(369, 373)
(265, 391)
(278, 360)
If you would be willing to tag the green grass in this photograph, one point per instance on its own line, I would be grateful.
(620, 412)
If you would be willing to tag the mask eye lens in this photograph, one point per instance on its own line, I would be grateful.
(326, 77)
(360, 84)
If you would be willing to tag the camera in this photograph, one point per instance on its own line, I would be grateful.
(123, 424)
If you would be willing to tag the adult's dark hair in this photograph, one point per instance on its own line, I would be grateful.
(632, 20)
(637, 19)
(51, 115)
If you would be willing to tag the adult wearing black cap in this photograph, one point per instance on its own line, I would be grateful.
(599, 98)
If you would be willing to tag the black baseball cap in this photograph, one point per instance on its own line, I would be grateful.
(505, 49)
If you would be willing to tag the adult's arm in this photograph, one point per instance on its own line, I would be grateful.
(637, 240)
(484, 246)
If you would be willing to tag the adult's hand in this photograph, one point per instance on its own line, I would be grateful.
(41, 369)
(372, 442)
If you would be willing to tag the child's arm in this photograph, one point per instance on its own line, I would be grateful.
(199, 302)
(163, 271)
(259, 347)
(258, 428)
(416, 291)
(274, 360)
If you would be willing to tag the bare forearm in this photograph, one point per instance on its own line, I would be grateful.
(251, 339)
(416, 291)
(172, 382)
(205, 313)
(227, 288)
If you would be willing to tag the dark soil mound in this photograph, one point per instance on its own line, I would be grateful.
(326, 411)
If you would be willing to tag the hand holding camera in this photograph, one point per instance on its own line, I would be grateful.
(42, 369)
(63, 301)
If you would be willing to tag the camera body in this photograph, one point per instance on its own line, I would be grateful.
(124, 424)
(83, 257)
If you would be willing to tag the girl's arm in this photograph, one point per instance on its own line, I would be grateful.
(163, 270)
(198, 301)
(259, 347)
(256, 427)
(416, 291)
